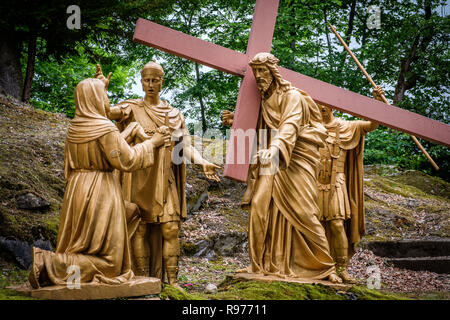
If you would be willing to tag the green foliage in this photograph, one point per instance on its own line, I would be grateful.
(276, 290)
(55, 80)
(236, 289)
(302, 41)
(171, 293)
(384, 146)
(11, 275)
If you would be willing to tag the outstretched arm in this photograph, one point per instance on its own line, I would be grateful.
(368, 126)
(209, 169)
(113, 113)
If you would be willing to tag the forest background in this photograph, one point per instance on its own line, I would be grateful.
(42, 60)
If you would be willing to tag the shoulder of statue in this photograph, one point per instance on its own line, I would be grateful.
(173, 112)
(129, 103)
(292, 92)
(289, 95)
(342, 123)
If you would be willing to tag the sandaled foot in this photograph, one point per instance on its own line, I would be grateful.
(333, 278)
(346, 277)
(244, 270)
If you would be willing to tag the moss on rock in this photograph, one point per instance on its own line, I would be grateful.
(31, 160)
(239, 289)
(171, 293)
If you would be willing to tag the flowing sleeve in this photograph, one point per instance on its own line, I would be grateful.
(124, 157)
(366, 126)
(122, 113)
(182, 135)
(292, 107)
(115, 113)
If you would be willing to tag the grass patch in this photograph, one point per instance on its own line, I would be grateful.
(171, 293)
(11, 275)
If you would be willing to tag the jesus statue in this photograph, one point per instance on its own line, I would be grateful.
(286, 238)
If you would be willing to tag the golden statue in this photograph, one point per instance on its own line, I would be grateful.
(340, 183)
(286, 237)
(93, 230)
(158, 191)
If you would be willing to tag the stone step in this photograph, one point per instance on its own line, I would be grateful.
(410, 248)
(433, 264)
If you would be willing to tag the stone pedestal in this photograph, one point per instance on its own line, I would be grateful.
(139, 286)
(261, 277)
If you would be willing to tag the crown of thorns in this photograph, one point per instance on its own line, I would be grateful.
(263, 58)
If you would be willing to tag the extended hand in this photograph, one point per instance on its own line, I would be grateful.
(209, 169)
(266, 156)
(161, 138)
(227, 118)
(165, 131)
(99, 75)
(378, 93)
(139, 132)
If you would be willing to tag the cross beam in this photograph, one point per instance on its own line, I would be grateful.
(248, 102)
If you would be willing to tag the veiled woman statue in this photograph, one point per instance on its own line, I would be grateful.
(93, 234)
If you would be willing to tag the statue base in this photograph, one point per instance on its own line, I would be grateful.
(139, 286)
(270, 278)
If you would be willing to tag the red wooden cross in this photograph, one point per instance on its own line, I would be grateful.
(249, 99)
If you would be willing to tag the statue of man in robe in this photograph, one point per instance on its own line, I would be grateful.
(286, 237)
(340, 183)
(158, 191)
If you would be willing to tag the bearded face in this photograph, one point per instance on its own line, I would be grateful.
(263, 77)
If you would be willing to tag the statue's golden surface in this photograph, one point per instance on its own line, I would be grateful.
(340, 183)
(125, 198)
(285, 236)
(158, 191)
(307, 145)
(93, 232)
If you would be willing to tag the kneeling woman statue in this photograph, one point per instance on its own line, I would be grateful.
(93, 234)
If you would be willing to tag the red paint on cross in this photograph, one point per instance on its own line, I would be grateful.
(249, 99)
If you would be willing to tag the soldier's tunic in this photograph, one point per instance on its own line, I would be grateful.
(340, 178)
(158, 191)
(144, 187)
(333, 197)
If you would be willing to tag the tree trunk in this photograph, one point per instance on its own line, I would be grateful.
(200, 99)
(405, 66)
(10, 71)
(351, 20)
(328, 37)
(348, 35)
(407, 78)
(30, 68)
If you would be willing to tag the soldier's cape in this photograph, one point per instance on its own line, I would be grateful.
(351, 136)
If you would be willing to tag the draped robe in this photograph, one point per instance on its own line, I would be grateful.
(93, 233)
(285, 235)
(145, 187)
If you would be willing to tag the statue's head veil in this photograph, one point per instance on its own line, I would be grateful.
(90, 121)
